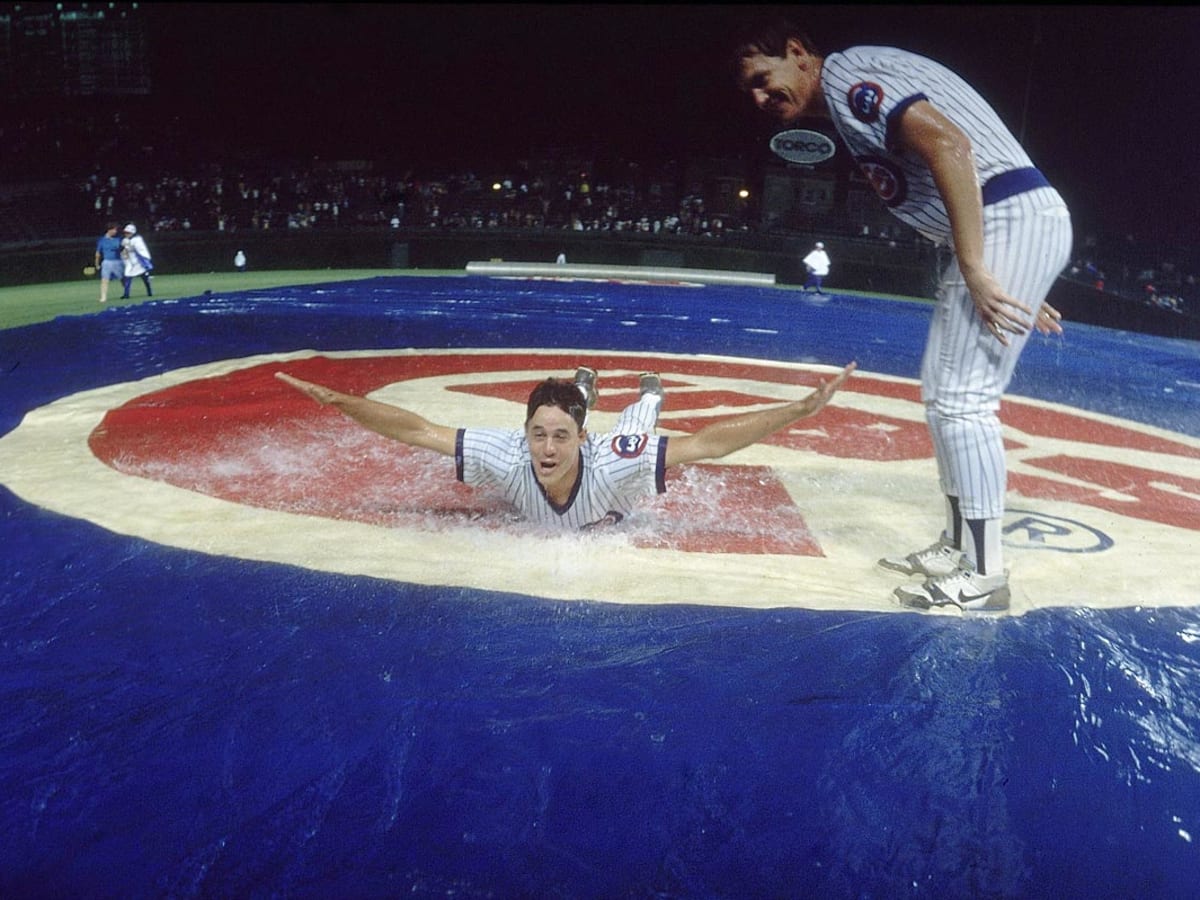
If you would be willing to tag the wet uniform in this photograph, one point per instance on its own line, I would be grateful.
(1027, 243)
(615, 470)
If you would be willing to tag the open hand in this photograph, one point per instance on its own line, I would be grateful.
(826, 389)
(1001, 314)
(321, 394)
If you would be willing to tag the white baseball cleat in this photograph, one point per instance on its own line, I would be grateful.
(585, 380)
(964, 588)
(650, 383)
(938, 559)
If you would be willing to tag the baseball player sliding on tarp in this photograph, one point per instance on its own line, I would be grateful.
(554, 472)
(943, 163)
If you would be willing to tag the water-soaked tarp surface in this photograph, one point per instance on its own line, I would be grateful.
(260, 658)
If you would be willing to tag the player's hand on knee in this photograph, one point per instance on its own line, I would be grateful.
(1001, 318)
(1001, 314)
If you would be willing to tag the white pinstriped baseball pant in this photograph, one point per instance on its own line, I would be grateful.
(639, 417)
(965, 369)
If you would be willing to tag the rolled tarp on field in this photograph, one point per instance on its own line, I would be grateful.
(502, 269)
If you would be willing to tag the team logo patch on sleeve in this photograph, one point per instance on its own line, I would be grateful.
(629, 446)
(865, 99)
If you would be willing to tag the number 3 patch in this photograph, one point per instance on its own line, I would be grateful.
(629, 446)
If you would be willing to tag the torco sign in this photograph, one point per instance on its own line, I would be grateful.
(802, 146)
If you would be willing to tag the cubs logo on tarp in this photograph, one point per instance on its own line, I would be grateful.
(798, 519)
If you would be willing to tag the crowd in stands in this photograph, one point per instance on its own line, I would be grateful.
(1122, 270)
(129, 180)
(328, 197)
(356, 195)
(333, 196)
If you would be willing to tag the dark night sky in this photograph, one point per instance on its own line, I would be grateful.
(1106, 93)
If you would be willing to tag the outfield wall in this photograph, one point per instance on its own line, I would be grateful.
(868, 265)
(859, 264)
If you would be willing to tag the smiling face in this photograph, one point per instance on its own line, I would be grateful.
(554, 440)
(784, 87)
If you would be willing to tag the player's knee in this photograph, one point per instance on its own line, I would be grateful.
(965, 406)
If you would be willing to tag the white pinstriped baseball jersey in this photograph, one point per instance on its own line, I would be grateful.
(1027, 240)
(615, 471)
(867, 90)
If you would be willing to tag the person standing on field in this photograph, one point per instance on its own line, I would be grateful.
(109, 263)
(137, 261)
(945, 164)
(817, 265)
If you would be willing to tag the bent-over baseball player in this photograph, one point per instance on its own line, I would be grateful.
(944, 163)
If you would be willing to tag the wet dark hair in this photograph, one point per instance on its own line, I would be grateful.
(560, 393)
(769, 37)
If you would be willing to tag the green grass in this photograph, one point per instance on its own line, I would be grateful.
(33, 303)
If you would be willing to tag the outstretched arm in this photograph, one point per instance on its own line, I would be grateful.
(946, 150)
(390, 421)
(724, 437)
